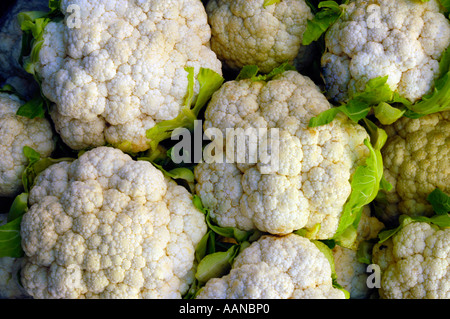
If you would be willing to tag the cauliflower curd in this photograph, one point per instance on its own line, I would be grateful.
(312, 182)
(403, 39)
(287, 267)
(107, 226)
(247, 32)
(122, 69)
(16, 132)
(415, 263)
(416, 161)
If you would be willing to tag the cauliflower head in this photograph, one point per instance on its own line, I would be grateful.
(414, 263)
(311, 183)
(246, 32)
(351, 274)
(107, 226)
(15, 133)
(402, 39)
(416, 161)
(286, 267)
(122, 69)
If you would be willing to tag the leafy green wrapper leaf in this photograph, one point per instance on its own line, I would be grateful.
(252, 72)
(213, 263)
(9, 89)
(18, 207)
(183, 173)
(445, 4)
(308, 233)
(330, 257)
(270, 2)
(378, 136)
(329, 13)
(10, 239)
(441, 206)
(439, 201)
(365, 186)
(209, 82)
(442, 221)
(228, 232)
(387, 114)
(34, 108)
(324, 118)
(216, 265)
(247, 72)
(388, 105)
(358, 107)
(206, 246)
(364, 252)
(439, 99)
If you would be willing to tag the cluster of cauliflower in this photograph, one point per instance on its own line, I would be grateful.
(110, 223)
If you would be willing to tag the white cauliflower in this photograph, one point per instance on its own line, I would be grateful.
(312, 181)
(351, 274)
(107, 226)
(122, 70)
(402, 39)
(416, 161)
(245, 32)
(286, 267)
(15, 133)
(9, 274)
(415, 263)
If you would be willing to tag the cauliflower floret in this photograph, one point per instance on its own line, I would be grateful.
(351, 274)
(414, 263)
(15, 133)
(107, 226)
(9, 274)
(402, 39)
(311, 182)
(244, 32)
(416, 161)
(286, 267)
(123, 69)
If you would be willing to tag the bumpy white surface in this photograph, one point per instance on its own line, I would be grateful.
(106, 226)
(416, 161)
(402, 39)
(312, 181)
(123, 70)
(15, 133)
(287, 267)
(415, 263)
(246, 33)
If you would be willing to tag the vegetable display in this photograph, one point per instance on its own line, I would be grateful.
(225, 149)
